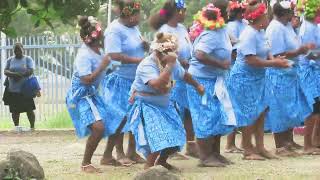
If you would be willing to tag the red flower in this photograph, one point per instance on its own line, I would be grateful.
(136, 5)
(98, 27)
(261, 10)
(87, 40)
(94, 34)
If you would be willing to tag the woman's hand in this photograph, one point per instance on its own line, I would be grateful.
(225, 64)
(281, 62)
(184, 64)
(306, 47)
(170, 59)
(146, 45)
(132, 97)
(200, 89)
(105, 62)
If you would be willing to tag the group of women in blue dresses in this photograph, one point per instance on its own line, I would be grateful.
(245, 75)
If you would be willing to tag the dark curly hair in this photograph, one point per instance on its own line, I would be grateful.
(157, 20)
(86, 30)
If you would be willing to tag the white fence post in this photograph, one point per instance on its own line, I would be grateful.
(109, 11)
(3, 57)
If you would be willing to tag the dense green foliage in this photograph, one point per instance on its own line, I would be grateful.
(26, 17)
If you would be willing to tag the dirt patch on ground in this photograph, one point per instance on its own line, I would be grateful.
(60, 154)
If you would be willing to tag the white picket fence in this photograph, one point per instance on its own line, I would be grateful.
(53, 57)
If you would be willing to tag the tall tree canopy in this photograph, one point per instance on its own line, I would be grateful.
(25, 17)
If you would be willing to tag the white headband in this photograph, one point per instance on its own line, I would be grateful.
(170, 44)
(285, 4)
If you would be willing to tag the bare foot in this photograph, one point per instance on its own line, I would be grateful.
(178, 156)
(311, 151)
(211, 161)
(253, 157)
(109, 162)
(90, 169)
(233, 149)
(192, 150)
(136, 158)
(295, 146)
(124, 161)
(223, 159)
(266, 154)
(285, 152)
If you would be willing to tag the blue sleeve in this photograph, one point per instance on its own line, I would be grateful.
(112, 42)
(276, 38)
(30, 63)
(317, 34)
(248, 44)
(178, 72)
(207, 43)
(83, 65)
(7, 67)
(232, 30)
(147, 72)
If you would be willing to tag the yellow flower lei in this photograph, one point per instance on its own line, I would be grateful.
(209, 24)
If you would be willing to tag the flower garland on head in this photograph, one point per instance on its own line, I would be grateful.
(258, 12)
(180, 5)
(129, 10)
(234, 4)
(202, 23)
(96, 34)
(169, 44)
(312, 10)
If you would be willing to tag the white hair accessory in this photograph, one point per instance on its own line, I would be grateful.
(285, 4)
(272, 3)
(161, 47)
(92, 20)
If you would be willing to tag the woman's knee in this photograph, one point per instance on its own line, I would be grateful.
(98, 128)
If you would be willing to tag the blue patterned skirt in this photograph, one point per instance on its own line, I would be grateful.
(208, 119)
(288, 106)
(310, 82)
(180, 97)
(85, 107)
(115, 92)
(247, 93)
(156, 128)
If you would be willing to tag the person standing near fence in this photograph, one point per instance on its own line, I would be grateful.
(84, 104)
(18, 69)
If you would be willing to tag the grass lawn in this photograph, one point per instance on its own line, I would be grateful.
(60, 120)
(60, 153)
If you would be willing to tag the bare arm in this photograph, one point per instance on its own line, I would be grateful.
(161, 83)
(11, 74)
(256, 61)
(28, 73)
(204, 58)
(188, 78)
(124, 58)
(89, 79)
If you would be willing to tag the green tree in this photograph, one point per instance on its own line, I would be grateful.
(45, 12)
